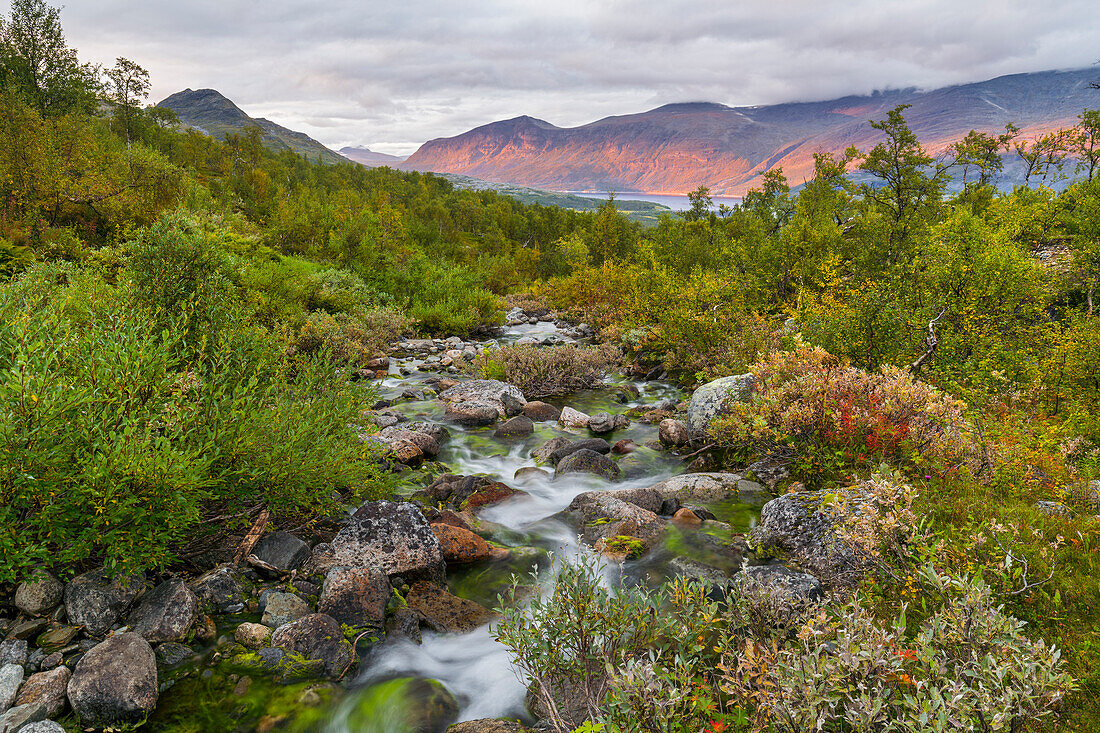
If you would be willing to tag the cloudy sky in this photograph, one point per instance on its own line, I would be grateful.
(391, 74)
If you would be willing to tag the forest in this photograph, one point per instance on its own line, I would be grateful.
(181, 316)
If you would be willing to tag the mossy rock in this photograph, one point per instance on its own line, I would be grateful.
(407, 704)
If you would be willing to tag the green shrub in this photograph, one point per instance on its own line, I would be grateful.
(346, 338)
(541, 372)
(121, 446)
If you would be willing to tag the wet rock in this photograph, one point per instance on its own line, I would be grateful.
(531, 472)
(571, 418)
(588, 461)
(171, 653)
(252, 636)
(392, 536)
(282, 608)
(547, 449)
(220, 590)
(624, 447)
(405, 622)
(712, 399)
(686, 518)
(459, 545)
(601, 515)
(673, 433)
(473, 413)
(39, 595)
(317, 637)
(445, 612)
(21, 717)
(716, 578)
(799, 528)
(599, 445)
(515, 427)
(13, 651)
(541, 411)
(11, 677)
(487, 725)
(410, 443)
(430, 707)
(282, 551)
(792, 588)
(602, 423)
(446, 516)
(166, 613)
(356, 596)
(709, 488)
(469, 492)
(96, 601)
(115, 683)
(645, 498)
(48, 688)
(505, 399)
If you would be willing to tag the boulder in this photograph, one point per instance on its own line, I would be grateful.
(171, 653)
(469, 492)
(282, 608)
(11, 677)
(460, 545)
(95, 601)
(602, 423)
(282, 551)
(252, 636)
(220, 590)
(588, 461)
(356, 596)
(40, 594)
(13, 651)
(709, 488)
(166, 613)
(392, 536)
(506, 399)
(115, 683)
(712, 399)
(57, 637)
(48, 688)
(316, 637)
(792, 588)
(599, 445)
(673, 433)
(428, 708)
(571, 418)
(624, 447)
(444, 612)
(799, 529)
(528, 473)
(515, 427)
(21, 717)
(473, 413)
(547, 449)
(42, 726)
(600, 515)
(541, 411)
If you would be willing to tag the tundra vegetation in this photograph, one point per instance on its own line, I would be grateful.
(179, 317)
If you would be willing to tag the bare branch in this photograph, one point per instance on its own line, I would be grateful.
(930, 343)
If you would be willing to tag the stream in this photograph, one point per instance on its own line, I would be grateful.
(473, 667)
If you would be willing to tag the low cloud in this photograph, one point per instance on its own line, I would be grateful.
(392, 75)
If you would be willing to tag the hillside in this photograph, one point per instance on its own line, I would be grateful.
(371, 159)
(677, 147)
(211, 112)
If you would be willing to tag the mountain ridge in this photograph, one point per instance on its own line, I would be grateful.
(676, 147)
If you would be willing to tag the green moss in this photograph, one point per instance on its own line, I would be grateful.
(632, 547)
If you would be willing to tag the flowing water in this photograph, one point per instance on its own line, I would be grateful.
(473, 666)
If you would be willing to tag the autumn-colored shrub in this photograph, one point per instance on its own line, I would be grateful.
(838, 417)
(551, 370)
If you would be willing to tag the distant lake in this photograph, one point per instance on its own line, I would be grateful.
(676, 203)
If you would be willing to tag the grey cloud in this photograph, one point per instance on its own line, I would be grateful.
(393, 74)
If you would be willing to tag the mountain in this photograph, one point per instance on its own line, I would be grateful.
(678, 147)
(211, 112)
(371, 159)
